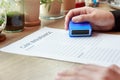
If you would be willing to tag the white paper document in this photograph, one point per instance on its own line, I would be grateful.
(100, 49)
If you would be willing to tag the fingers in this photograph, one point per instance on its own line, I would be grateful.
(90, 72)
(78, 18)
(78, 15)
(72, 78)
(82, 18)
(73, 74)
(83, 72)
(116, 68)
(71, 14)
(68, 17)
(78, 69)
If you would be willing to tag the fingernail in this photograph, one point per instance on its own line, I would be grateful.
(75, 20)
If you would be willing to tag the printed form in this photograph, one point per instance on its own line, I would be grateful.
(100, 49)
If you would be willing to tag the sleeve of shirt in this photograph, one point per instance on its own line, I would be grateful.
(116, 15)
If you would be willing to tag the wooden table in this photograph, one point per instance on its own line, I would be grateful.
(19, 67)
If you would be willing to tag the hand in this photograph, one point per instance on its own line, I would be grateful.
(100, 20)
(90, 72)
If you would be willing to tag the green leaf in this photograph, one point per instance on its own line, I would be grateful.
(1, 21)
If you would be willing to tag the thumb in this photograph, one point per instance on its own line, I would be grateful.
(82, 18)
(116, 68)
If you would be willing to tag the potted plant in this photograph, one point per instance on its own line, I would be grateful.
(50, 9)
(2, 25)
(31, 11)
(15, 15)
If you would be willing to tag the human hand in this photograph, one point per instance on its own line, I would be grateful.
(90, 72)
(100, 20)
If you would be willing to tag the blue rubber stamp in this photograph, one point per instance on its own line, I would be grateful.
(80, 29)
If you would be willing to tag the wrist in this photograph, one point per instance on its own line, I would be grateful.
(116, 26)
